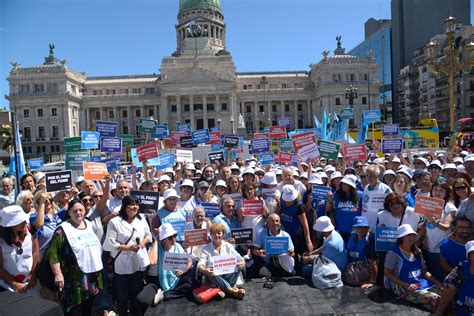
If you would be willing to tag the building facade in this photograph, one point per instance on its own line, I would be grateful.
(197, 84)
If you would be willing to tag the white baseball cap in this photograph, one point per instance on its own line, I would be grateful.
(423, 160)
(12, 215)
(170, 193)
(349, 180)
(469, 247)
(449, 166)
(169, 170)
(39, 175)
(248, 170)
(233, 166)
(323, 224)
(435, 163)
(406, 171)
(221, 183)
(289, 193)
(304, 175)
(404, 230)
(166, 230)
(269, 178)
(396, 159)
(458, 160)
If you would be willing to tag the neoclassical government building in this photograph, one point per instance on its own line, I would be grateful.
(197, 84)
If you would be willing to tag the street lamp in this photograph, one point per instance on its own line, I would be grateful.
(219, 123)
(232, 124)
(351, 94)
(450, 64)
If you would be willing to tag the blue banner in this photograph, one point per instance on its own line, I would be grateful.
(276, 245)
(266, 159)
(372, 116)
(320, 192)
(164, 161)
(133, 153)
(90, 140)
(35, 164)
(184, 128)
(211, 210)
(260, 145)
(390, 130)
(111, 145)
(385, 238)
(111, 163)
(285, 122)
(106, 129)
(201, 136)
(161, 132)
(179, 226)
(392, 145)
(95, 159)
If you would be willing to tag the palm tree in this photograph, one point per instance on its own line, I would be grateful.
(6, 137)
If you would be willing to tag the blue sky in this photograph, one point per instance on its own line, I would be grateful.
(122, 37)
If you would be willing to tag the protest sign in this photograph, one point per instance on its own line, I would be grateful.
(185, 128)
(385, 238)
(162, 162)
(276, 245)
(261, 135)
(231, 141)
(74, 160)
(308, 152)
(94, 170)
(355, 152)
(94, 159)
(277, 132)
(184, 155)
(127, 140)
(392, 145)
(286, 145)
(320, 192)
(224, 264)
(215, 138)
(35, 164)
(252, 207)
(260, 145)
(285, 121)
(111, 145)
(242, 236)
(303, 139)
(175, 261)
(346, 114)
(195, 237)
(390, 130)
(147, 126)
(266, 159)
(211, 210)
(201, 136)
(133, 153)
(268, 191)
(426, 205)
(161, 132)
(186, 141)
(218, 155)
(90, 140)
(373, 202)
(111, 163)
(179, 226)
(328, 150)
(58, 180)
(72, 144)
(237, 197)
(176, 137)
(284, 157)
(147, 152)
(372, 116)
(106, 129)
(147, 200)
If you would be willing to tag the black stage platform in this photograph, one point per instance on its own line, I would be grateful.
(291, 296)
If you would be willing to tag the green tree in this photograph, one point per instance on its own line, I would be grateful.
(6, 137)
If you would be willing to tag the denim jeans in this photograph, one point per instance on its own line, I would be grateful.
(225, 282)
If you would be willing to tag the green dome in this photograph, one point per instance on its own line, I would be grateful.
(185, 5)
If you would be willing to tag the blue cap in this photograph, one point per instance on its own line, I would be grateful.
(360, 221)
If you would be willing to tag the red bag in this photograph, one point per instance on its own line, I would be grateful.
(205, 293)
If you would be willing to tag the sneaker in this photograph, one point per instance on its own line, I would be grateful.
(159, 296)
(111, 313)
(264, 272)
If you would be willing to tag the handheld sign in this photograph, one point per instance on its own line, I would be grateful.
(94, 170)
(320, 192)
(111, 163)
(195, 237)
(425, 205)
(185, 128)
(224, 264)
(72, 144)
(35, 164)
(276, 245)
(90, 140)
(211, 210)
(285, 121)
(147, 152)
(186, 141)
(390, 130)
(261, 135)
(372, 116)
(163, 161)
(385, 238)
(201, 136)
(374, 202)
(219, 156)
(284, 157)
(355, 152)
(106, 129)
(176, 136)
(266, 159)
(252, 207)
(111, 145)
(346, 114)
(302, 140)
(286, 145)
(308, 152)
(231, 141)
(242, 236)
(278, 132)
(58, 181)
(179, 226)
(215, 138)
(74, 160)
(127, 140)
(392, 145)
(260, 145)
(328, 150)
(161, 131)
(146, 126)
(175, 261)
(184, 155)
(147, 200)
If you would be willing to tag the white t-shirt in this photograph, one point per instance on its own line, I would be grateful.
(434, 235)
(385, 218)
(299, 186)
(372, 202)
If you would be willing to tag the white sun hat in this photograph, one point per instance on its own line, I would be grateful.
(405, 230)
(166, 230)
(269, 178)
(323, 224)
(289, 193)
(12, 215)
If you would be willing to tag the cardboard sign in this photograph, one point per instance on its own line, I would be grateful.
(58, 181)
(90, 140)
(261, 135)
(385, 238)
(266, 159)
(195, 237)
(148, 201)
(186, 141)
(346, 114)
(176, 137)
(161, 132)
(286, 145)
(147, 152)
(276, 245)
(211, 210)
(252, 207)
(320, 192)
(231, 141)
(425, 205)
(162, 162)
(308, 152)
(175, 261)
(224, 264)
(184, 155)
(392, 145)
(219, 156)
(374, 202)
(355, 152)
(106, 129)
(111, 145)
(278, 132)
(284, 157)
(328, 150)
(215, 138)
(260, 145)
(201, 136)
(303, 139)
(285, 121)
(146, 126)
(74, 160)
(186, 128)
(127, 140)
(72, 144)
(35, 164)
(390, 130)
(94, 170)
(242, 236)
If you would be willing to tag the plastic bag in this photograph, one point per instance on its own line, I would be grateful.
(325, 273)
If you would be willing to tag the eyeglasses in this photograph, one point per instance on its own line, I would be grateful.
(459, 188)
(19, 249)
(97, 196)
(86, 200)
(171, 237)
(28, 199)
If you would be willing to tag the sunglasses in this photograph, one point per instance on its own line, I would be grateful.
(86, 200)
(19, 249)
(459, 188)
(171, 237)
(97, 196)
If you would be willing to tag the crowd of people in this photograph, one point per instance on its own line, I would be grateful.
(92, 250)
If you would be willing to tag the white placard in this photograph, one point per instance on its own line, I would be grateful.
(184, 155)
(376, 201)
(175, 261)
(224, 264)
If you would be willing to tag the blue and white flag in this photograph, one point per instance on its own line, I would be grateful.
(17, 158)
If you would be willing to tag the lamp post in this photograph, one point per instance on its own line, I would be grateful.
(219, 123)
(450, 64)
(232, 124)
(351, 94)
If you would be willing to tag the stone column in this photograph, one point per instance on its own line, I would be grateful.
(131, 128)
(218, 104)
(87, 114)
(204, 111)
(103, 114)
(116, 119)
(309, 113)
(191, 112)
(179, 116)
(268, 107)
(256, 124)
(156, 112)
(234, 111)
(142, 112)
(282, 108)
(295, 112)
(164, 110)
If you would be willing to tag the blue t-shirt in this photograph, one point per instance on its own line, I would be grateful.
(345, 211)
(453, 252)
(167, 278)
(334, 249)
(228, 224)
(177, 219)
(46, 232)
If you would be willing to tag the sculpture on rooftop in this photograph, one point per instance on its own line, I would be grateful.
(339, 41)
(51, 49)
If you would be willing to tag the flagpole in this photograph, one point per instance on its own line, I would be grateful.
(16, 151)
